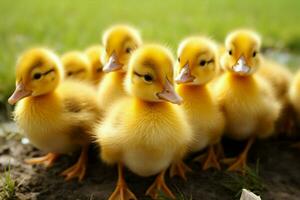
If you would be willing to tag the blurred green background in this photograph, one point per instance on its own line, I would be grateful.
(75, 24)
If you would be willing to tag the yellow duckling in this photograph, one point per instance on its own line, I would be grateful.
(144, 131)
(248, 101)
(294, 95)
(279, 76)
(94, 54)
(119, 42)
(56, 116)
(197, 66)
(76, 66)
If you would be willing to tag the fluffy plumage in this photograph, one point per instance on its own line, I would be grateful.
(197, 66)
(57, 116)
(76, 66)
(94, 54)
(294, 94)
(143, 131)
(248, 101)
(119, 42)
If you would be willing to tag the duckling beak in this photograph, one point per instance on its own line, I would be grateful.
(185, 75)
(169, 94)
(241, 66)
(113, 64)
(19, 93)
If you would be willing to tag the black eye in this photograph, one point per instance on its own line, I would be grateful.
(70, 73)
(99, 69)
(128, 50)
(148, 78)
(254, 53)
(202, 63)
(37, 76)
(178, 59)
(230, 52)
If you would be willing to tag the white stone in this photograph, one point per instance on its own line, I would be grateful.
(247, 195)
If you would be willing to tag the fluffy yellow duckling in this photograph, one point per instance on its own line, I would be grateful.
(76, 66)
(294, 95)
(248, 101)
(279, 76)
(198, 65)
(56, 116)
(119, 42)
(94, 54)
(144, 131)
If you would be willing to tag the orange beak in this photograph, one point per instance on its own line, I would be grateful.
(185, 75)
(169, 94)
(113, 64)
(19, 93)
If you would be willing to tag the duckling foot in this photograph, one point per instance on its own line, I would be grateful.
(159, 185)
(211, 160)
(79, 168)
(122, 192)
(47, 160)
(179, 169)
(239, 163)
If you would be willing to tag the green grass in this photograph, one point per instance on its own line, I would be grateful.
(251, 181)
(7, 189)
(74, 24)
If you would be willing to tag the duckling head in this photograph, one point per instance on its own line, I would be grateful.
(242, 52)
(38, 72)
(150, 75)
(197, 61)
(76, 65)
(119, 42)
(94, 54)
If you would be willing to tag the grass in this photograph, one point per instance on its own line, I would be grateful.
(7, 189)
(75, 24)
(251, 181)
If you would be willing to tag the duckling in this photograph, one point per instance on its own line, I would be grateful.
(294, 95)
(76, 66)
(197, 66)
(119, 42)
(144, 131)
(56, 116)
(94, 54)
(247, 100)
(279, 76)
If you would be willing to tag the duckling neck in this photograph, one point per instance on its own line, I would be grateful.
(118, 75)
(43, 97)
(149, 104)
(194, 93)
(192, 88)
(236, 77)
(242, 83)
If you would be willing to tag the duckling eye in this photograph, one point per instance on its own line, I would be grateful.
(254, 53)
(99, 69)
(179, 59)
(37, 76)
(70, 73)
(128, 50)
(148, 78)
(230, 52)
(202, 63)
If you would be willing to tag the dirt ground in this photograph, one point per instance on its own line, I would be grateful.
(278, 176)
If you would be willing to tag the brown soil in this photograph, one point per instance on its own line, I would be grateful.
(279, 171)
